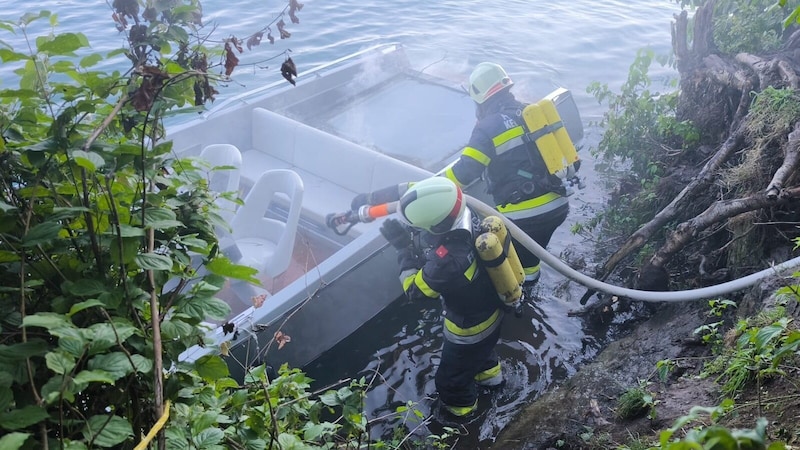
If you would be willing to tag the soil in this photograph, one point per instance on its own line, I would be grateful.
(581, 413)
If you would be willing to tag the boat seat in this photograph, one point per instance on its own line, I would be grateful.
(223, 180)
(264, 239)
(333, 169)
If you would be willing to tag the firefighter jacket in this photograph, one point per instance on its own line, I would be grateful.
(517, 177)
(448, 267)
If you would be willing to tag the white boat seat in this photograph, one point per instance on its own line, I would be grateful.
(333, 169)
(224, 180)
(266, 242)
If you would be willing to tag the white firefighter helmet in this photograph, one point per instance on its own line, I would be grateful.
(486, 80)
(435, 204)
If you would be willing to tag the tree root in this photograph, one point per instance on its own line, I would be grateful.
(703, 69)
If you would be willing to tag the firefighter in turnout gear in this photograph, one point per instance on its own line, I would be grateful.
(444, 264)
(519, 181)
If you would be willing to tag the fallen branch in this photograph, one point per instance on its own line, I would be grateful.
(717, 212)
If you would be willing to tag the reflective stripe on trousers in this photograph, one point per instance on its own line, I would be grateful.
(460, 411)
(474, 334)
(533, 207)
(491, 376)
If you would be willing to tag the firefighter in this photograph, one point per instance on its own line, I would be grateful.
(518, 180)
(446, 266)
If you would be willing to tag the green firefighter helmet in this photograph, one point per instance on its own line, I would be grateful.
(435, 204)
(486, 80)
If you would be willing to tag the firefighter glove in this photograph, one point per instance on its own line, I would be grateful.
(359, 201)
(396, 234)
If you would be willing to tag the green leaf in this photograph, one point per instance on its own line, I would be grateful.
(7, 256)
(7, 56)
(330, 398)
(61, 213)
(62, 44)
(107, 432)
(46, 320)
(102, 336)
(211, 367)
(22, 417)
(13, 441)
(70, 339)
(153, 261)
(208, 437)
(78, 307)
(27, 18)
(288, 441)
(224, 267)
(60, 362)
(118, 364)
(192, 242)
(88, 160)
(20, 352)
(158, 215)
(176, 328)
(129, 231)
(58, 388)
(85, 287)
(90, 60)
(206, 307)
(84, 377)
(41, 233)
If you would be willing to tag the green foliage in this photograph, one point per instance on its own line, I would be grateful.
(103, 235)
(748, 26)
(710, 332)
(762, 345)
(637, 119)
(714, 436)
(753, 26)
(640, 130)
(636, 402)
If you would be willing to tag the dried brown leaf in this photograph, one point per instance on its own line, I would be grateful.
(128, 8)
(255, 40)
(288, 70)
(293, 17)
(271, 38)
(282, 29)
(282, 339)
(231, 61)
(258, 300)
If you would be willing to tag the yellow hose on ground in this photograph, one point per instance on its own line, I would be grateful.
(156, 428)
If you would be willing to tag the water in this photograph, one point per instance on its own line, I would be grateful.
(542, 45)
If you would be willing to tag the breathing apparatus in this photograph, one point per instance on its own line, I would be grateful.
(547, 132)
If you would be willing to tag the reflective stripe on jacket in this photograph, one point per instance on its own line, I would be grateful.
(518, 178)
(450, 269)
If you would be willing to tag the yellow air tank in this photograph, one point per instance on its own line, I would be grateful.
(490, 250)
(552, 140)
(564, 141)
(495, 225)
(547, 143)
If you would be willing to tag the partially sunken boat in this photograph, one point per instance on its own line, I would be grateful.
(353, 125)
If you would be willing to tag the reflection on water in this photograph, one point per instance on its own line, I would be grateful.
(543, 346)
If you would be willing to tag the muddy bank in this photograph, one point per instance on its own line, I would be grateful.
(581, 412)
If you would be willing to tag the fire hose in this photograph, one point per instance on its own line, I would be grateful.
(367, 214)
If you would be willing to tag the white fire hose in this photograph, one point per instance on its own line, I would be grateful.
(708, 292)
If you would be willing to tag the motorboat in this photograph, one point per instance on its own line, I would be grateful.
(354, 125)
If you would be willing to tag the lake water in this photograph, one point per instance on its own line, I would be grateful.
(542, 45)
